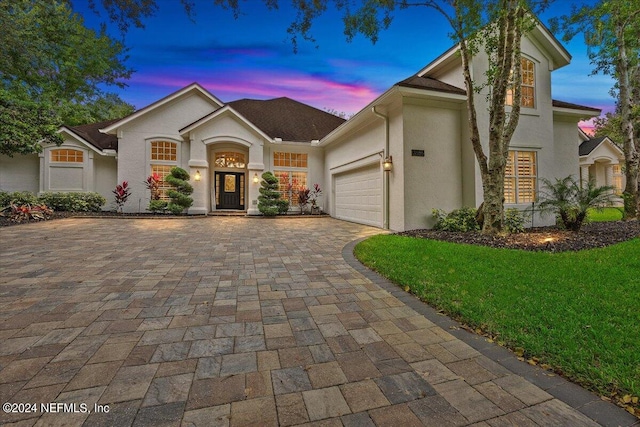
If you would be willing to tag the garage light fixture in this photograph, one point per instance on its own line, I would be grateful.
(387, 164)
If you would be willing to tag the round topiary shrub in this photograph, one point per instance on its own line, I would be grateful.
(269, 199)
(180, 200)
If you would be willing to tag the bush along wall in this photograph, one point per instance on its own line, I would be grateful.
(269, 202)
(58, 201)
(179, 195)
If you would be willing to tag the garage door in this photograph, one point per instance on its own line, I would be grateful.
(358, 195)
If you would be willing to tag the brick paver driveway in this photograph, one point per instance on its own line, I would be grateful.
(230, 321)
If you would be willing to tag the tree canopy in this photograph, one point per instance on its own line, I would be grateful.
(52, 69)
(611, 30)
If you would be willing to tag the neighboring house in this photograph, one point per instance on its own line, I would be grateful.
(601, 160)
(419, 123)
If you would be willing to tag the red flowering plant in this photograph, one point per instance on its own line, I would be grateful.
(122, 193)
(153, 185)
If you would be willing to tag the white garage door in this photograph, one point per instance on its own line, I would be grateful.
(358, 195)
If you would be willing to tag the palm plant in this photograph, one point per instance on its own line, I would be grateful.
(570, 201)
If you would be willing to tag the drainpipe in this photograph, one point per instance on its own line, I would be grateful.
(385, 223)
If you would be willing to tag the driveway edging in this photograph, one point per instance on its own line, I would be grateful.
(580, 399)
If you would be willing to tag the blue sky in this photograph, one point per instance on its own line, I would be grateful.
(251, 57)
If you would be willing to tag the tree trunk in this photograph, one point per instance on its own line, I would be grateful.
(630, 146)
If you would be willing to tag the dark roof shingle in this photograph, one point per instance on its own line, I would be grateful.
(287, 119)
(588, 146)
(91, 133)
(429, 83)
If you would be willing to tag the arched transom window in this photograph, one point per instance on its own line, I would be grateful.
(228, 159)
(164, 150)
(67, 155)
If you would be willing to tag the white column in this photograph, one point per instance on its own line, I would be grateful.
(608, 173)
(198, 163)
(584, 175)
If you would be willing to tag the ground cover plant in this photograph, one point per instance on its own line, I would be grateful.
(605, 214)
(574, 312)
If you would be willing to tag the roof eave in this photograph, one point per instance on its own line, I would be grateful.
(70, 132)
(574, 112)
(226, 109)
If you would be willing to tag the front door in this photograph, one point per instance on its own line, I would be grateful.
(229, 190)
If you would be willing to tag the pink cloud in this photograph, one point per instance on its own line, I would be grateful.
(318, 91)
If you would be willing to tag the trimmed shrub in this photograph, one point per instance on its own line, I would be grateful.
(463, 219)
(18, 198)
(158, 205)
(179, 196)
(73, 202)
(269, 198)
(283, 206)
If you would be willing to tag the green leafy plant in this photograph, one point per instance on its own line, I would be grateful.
(158, 205)
(463, 219)
(283, 206)
(179, 195)
(73, 201)
(269, 198)
(514, 220)
(17, 197)
(565, 198)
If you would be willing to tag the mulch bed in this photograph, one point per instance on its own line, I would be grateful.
(548, 239)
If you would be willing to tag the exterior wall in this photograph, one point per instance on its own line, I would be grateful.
(164, 123)
(62, 176)
(435, 180)
(359, 147)
(105, 173)
(20, 173)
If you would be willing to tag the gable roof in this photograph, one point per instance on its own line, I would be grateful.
(287, 119)
(429, 83)
(587, 147)
(193, 87)
(91, 134)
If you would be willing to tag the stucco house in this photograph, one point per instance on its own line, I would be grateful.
(601, 160)
(420, 124)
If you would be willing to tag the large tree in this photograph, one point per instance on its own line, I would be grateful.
(52, 69)
(612, 33)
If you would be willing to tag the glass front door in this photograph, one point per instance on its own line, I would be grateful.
(229, 190)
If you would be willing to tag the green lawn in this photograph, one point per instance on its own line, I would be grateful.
(604, 214)
(578, 312)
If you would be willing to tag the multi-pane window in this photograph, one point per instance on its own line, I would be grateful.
(616, 177)
(520, 179)
(289, 183)
(293, 160)
(162, 171)
(528, 86)
(164, 150)
(67, 155)
(230, 160)
(164, 156)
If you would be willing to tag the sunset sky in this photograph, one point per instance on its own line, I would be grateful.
(251, 57)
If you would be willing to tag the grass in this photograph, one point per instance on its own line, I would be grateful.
(578, 312)
(604, 214)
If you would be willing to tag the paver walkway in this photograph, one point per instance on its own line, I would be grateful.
(232, 321)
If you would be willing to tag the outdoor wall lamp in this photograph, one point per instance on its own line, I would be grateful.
(255, 178)
(197, 177)
(387, 164)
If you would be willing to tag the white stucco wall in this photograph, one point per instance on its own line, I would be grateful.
(163, 123)
(435, 180)
(105, 173)
(19, 173)
(348, 151)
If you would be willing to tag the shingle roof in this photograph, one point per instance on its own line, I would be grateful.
(562, 104)
(91, 133)
(287, 119)
(430, 84)
(588, 146)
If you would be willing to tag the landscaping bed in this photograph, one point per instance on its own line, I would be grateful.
(547, 239)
